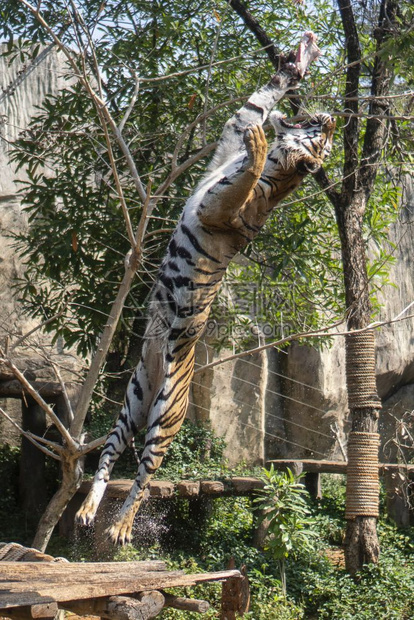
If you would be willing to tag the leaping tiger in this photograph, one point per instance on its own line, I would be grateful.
(243, 184)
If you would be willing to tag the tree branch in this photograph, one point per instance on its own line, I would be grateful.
(260, 34)
(267, 44)
(351, 129)
(64, 392)
(34, 439)
(71, 444)
(379, 106)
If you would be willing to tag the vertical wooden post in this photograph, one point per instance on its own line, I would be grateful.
(235, 597)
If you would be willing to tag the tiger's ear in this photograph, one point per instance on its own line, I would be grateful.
(308, 166)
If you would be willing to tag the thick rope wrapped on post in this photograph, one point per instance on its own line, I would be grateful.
(362, 490)
(360, 370)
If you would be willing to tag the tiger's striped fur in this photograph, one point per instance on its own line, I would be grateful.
(243, 185)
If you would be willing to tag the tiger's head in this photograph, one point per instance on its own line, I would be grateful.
(303, 145)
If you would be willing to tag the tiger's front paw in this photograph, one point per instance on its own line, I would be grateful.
(256, 146)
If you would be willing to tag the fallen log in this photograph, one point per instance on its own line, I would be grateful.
(146, 605)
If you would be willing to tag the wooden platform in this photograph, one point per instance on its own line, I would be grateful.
(163, 489)
(29, 583)
(114, 590)
(235, 486)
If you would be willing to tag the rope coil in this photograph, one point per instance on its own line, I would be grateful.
(13, 552)
(362, 490)
(360, 370)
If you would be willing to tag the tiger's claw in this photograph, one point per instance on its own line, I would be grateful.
(86, 513)
(120, 533)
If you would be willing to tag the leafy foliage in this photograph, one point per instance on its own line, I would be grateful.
(289, 527)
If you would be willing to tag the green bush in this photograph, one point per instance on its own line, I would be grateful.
(290, 529)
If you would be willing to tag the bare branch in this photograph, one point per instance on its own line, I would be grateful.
(323, 332)
(92, 445)
(35, 329)
(131, 105)
(143, 222)
(64, 392)
(34, 439)
(72, 445)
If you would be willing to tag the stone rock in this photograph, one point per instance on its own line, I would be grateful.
(232, 398)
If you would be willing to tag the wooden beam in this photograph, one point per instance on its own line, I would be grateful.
(239, 485)
(42, 610)
(235, 595)
(186, 604)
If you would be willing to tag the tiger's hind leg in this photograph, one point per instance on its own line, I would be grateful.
(164, 422)
(132, 418)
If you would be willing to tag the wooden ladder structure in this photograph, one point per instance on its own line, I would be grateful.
(34, 585)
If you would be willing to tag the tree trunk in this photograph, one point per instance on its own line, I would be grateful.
(32, 485)
(361, 541)
(359, 177)
(71, 480)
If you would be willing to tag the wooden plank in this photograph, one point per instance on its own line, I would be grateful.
(76, 568)
(31, 584)
(43, 610)
(239, 485)
(338, 467)
(310, 465)
(235, 596)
